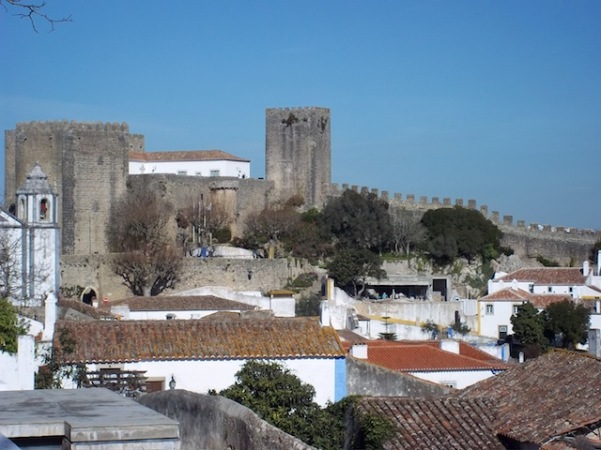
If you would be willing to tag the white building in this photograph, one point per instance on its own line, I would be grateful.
(199, 163)
(29, 256)
(447, 362)
(199, 355)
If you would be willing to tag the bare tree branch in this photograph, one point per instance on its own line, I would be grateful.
(32, 12)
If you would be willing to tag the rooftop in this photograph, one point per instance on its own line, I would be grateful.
(540, 301)
(83, 416)
(184, 155)
(427, 356)
(444, 423)
(567, 389)
(547, 276)
(164, 340)
(184, 303)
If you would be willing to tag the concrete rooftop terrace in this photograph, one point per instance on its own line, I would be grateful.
(85, 418)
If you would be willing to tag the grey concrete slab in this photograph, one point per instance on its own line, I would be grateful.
(82, 415)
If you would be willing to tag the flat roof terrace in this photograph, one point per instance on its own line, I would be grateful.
(83, 417)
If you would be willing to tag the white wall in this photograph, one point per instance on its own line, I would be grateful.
(200, 376)
(17, 371)
(502, 312)
(281, 307)
(238, 169)
(461, 379)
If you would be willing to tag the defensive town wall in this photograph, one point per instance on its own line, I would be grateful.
(529, 241)
(87, 165)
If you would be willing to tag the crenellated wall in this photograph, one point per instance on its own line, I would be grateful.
(528, 240)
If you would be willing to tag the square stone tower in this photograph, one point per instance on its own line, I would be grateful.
(298, 153)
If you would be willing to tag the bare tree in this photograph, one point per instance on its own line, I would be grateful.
(407, 229)
(202, 219)
(138, 231)
(32, 11)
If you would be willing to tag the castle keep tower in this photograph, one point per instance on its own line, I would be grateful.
(298, 153)
(87, 165)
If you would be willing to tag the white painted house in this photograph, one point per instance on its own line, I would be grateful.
(199, 355)
(199, 163)
(447, 362)
(174, 307)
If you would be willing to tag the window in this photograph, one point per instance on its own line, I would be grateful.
(549, 289)
(182, 172)
(214, 173)
(448, 383)
(490, 309)
(515, 309)
(44, 209)
(198, 174)
(531, 288)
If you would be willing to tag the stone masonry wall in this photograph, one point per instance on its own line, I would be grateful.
(95, 271)
(298, 152)
(86, 164)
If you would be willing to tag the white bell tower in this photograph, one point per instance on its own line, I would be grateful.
(36, 208)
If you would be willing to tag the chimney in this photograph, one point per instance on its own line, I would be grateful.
(49, 316)
(585, 268)
(359, 350)
(449, 345)
(599, 263)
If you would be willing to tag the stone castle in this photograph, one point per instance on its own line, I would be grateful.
(87, 165)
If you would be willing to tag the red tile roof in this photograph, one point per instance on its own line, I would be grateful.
(445, 423)
(426, 356)
(540, 301)
(186, 155)
(547, 276)
(160, 340)
(186, 303)
(549, 396)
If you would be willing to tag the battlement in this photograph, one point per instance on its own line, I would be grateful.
(410, 201)
(299, 109)
(52, 126)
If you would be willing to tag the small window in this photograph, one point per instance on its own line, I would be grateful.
(214, 173)
(182, 172)
(531, 288)
(44, 209)
(198, 174)
(515, 309)
(170, 316)
(549, 289)
(490, 309)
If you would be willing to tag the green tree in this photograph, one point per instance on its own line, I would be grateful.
(458, 231)
(308, 305)
(351, 267)
(10, 327)
(277, 396)
(357, 221)
(529, 329)
(567, 323)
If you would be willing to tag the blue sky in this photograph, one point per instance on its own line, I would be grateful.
(497, 101)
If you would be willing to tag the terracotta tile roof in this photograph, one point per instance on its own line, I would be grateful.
(445, 423)
(185, 155)
(465, 349)
(184, 303)
(547, 275)
(549, 396)
(426, 356)
(160, 340)
(540, 301)
(507, 295)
